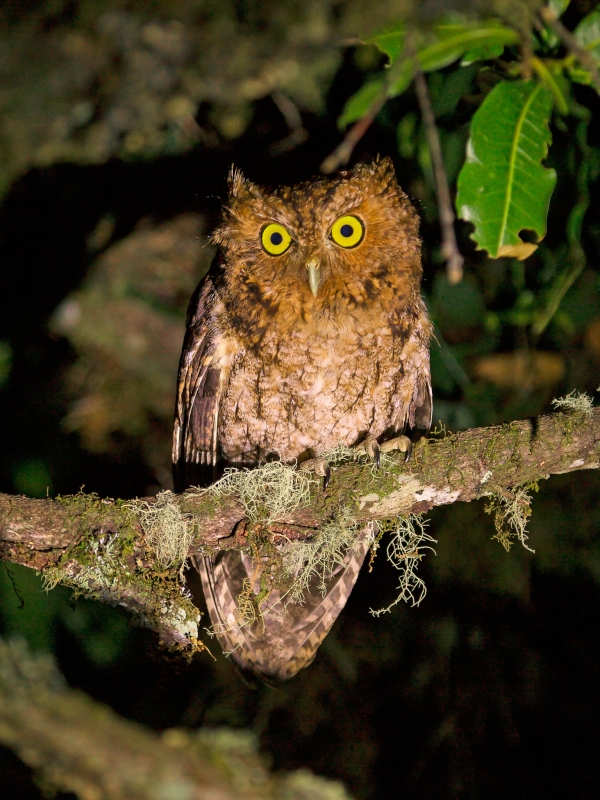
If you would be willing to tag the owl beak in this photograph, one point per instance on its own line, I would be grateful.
(314, 275)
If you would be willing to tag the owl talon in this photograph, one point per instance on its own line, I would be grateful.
(320, 467)
(402, 443)
(371, 446)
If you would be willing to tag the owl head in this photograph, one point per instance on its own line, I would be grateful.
(325, 247)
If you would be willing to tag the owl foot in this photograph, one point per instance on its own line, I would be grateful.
(402, 443)
(370, 446)
(319, 466)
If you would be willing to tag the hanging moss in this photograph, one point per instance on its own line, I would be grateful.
(108, 562)
(511, 510)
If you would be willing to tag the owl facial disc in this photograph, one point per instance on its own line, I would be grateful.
(314, 275)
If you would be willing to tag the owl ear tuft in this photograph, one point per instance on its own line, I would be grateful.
(239, 186)
(384, 167)
(385, 174)
(235, 180)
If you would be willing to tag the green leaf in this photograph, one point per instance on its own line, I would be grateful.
(450, 42)
(446, 90)
(406, 135)
(453, 149)
(360, 102)
(579, 75)
(555, 81)
(389, 42)
(503, 187)
(402, 81)
(587, 33)
(483, 52)
(456, 39)
(453, 40)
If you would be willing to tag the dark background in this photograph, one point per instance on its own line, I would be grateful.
(491, 687)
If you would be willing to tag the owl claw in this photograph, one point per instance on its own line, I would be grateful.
(371, 447)
(402, 443)
(320, 467)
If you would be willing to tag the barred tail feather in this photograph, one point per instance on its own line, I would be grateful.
(287, 636)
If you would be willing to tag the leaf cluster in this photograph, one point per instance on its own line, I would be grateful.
(523, 75)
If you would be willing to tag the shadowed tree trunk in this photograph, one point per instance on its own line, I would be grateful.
(80, 746)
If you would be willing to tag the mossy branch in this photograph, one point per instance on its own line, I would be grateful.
(111, 549)
(77, 745)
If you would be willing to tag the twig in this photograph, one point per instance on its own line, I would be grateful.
(18, 595)
(526, 48)
(341, 154)
(298, 133)
(570, 42)
(450, 251)
(289, 110)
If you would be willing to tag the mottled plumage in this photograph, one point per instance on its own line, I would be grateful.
(290, 354)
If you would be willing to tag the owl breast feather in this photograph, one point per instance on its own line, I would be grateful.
(318, 392)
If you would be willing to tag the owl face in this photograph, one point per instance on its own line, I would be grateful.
(324, 247)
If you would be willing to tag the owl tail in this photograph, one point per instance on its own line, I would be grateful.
(287, 636)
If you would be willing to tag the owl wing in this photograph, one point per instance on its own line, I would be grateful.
(421, 407)
(200, 386)
(416, 411)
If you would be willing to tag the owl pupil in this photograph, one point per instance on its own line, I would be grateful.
(276, 238)
(346, 230)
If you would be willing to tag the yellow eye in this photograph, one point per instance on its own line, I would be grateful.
(347, 231)
(275, 239)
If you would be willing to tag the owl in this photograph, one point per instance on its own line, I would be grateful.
(308, 331)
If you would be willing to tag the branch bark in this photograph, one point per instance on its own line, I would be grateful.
(99, 546)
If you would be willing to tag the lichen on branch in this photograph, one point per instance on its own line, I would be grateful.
(116, 550)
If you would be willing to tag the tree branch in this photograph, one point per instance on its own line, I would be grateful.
(77, 745)
(102, 547)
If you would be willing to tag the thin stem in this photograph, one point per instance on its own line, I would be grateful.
(289, 110)
(342, 153)
(566, 280)
(570, 42)
(450, 251)
(297, 132)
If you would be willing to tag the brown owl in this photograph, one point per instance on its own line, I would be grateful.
(308, 331)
